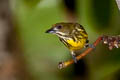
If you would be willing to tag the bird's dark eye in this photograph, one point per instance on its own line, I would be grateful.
(59, 27)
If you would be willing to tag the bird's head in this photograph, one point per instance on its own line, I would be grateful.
(63, 29)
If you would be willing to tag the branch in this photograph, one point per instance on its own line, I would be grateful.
(111, 41)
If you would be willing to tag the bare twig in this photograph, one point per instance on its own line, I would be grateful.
(111, 41)
(67, 63)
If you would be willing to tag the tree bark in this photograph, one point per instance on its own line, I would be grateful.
(12, 64)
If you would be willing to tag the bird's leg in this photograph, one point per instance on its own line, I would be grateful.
(74, 56)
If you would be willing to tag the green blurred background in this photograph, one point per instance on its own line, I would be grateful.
(43, 51)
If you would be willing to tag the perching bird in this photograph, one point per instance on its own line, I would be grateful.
(72, 35)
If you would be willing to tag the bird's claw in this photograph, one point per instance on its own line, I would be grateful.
(74, 58)
(91, 46)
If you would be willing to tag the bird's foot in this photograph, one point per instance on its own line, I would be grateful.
(92, 46)
(74, 58)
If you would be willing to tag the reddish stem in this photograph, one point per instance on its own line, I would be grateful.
(67, 63)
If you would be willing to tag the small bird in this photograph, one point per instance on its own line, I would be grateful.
(72, 35)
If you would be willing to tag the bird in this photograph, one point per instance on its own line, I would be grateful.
(72, 35)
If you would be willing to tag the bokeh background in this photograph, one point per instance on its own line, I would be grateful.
(39, 53)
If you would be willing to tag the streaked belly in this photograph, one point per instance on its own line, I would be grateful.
(76, 45)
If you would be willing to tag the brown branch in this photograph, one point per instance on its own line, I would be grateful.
(67, 63)
(110, 41)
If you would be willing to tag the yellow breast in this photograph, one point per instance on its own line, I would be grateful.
(76, 45)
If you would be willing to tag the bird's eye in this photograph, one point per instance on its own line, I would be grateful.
(59, 27)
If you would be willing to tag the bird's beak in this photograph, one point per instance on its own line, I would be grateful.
(50, 31)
